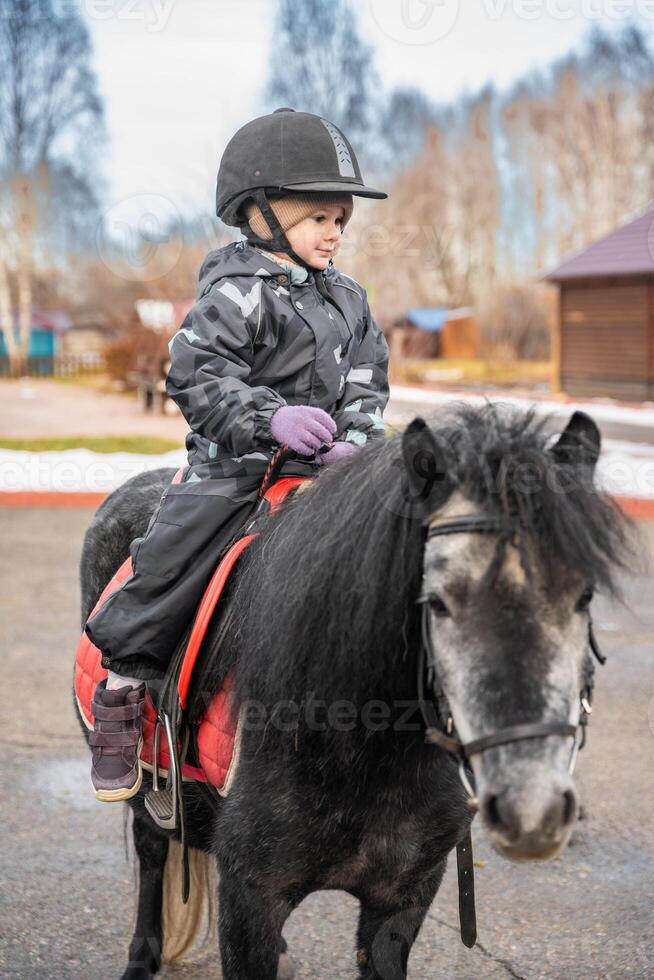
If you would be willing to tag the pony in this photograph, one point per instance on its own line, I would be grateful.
(477, 536)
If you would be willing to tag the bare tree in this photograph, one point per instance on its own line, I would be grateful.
(579, 146)
(321, 64)
(406, 115)
(440, 225)
(50, 114)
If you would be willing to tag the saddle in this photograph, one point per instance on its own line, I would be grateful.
(205, 753)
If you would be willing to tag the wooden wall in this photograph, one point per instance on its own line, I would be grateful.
(460, 338)
(607, 338)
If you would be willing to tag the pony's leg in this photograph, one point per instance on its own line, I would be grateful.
(385, 936)
(249, 929)
(384, 941)
(145, 948)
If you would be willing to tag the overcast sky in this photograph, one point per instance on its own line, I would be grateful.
(178, 78)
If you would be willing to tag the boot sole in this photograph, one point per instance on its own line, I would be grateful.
(125, 792)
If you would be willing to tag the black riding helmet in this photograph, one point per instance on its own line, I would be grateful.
(281, 152)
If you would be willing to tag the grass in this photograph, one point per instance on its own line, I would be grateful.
(97, 444)
(444, 371)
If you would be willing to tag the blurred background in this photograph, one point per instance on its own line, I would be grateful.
(508, 135)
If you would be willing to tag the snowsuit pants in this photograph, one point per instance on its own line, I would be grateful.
(140, 625)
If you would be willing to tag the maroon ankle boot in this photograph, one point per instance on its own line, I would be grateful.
(116, 741)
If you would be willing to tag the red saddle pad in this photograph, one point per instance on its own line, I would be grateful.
(218, 730)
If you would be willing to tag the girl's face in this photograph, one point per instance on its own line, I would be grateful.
(317, 238)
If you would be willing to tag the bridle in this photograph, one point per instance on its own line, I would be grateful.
(434, 714)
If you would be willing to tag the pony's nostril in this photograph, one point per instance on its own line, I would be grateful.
(500, 816)
(560, 813)
(569, 808)
(491, 813)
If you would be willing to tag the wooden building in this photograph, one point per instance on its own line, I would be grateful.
(47, 330)
(88, 336)
(435, 331)
(603, 341)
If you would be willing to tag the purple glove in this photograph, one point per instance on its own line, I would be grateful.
(302, 427)
(340, 450)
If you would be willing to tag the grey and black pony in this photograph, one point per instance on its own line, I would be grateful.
(325, 627)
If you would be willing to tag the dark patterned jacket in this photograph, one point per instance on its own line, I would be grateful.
(255, 341)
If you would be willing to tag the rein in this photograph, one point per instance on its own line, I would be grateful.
(447, 740)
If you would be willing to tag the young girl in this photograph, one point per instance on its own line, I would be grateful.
(279, 348)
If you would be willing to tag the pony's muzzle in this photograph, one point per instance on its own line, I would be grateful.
(532, 821)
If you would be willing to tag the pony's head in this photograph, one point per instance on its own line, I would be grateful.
(508, 601)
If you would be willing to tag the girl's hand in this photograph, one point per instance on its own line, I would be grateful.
(340, 450)
(302, 427)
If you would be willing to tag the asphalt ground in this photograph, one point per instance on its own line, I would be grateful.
(67, 884)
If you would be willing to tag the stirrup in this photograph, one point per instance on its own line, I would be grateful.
(163, 803)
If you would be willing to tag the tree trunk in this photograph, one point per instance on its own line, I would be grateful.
(6, 315)
(25, 221)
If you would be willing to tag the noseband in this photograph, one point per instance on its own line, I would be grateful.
(484, 524)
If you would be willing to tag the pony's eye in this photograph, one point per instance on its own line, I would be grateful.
(438, 607)
(585, 599)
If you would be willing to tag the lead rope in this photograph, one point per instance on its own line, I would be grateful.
(279, 457)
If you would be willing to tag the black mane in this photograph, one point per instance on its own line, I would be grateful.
(325, 597)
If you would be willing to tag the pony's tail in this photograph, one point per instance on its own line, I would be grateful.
(189, 930)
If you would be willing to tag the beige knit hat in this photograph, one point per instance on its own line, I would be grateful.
(293, 208)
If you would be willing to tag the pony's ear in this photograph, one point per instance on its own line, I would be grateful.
(426, 465)
(579, 443)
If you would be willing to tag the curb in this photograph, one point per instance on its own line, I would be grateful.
(639, 508)
(50, 498)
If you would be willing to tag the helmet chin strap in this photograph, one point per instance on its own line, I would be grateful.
(279, 242)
